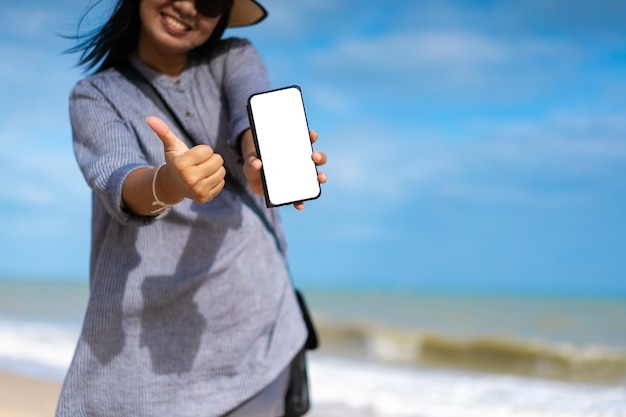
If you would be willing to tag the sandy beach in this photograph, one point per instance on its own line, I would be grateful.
(22, 396)
(27, 397)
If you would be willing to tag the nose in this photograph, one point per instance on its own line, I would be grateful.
(186, 8)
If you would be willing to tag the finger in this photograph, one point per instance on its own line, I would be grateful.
(319, 158)
(209, 194)
(254, 163)
(299, 206)
(170, 142)
(203, 154)
(322, 177)
(206, 189)
(313, 135)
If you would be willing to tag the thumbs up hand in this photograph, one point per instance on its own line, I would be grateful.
(196, 173)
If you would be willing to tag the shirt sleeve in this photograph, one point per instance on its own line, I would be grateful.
(106, 148)
(244, 73)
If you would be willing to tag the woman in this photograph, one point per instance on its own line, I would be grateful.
(191, 309)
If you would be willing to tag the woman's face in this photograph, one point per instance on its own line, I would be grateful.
(172, 28)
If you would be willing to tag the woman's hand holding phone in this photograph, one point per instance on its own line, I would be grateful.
(282, 153)
(252, 164)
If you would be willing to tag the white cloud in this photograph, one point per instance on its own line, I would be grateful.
(36, 149)
(533, 162)
(294, 21)
(42, 181)
(352, 229)
(444, 59)
(407, 52)
(329, 99)
(25, 23)
(40, 22)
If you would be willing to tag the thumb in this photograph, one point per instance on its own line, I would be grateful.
(170, 142)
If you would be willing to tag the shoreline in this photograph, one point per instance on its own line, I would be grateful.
(26, 396)
(374, 393)
(32, 396)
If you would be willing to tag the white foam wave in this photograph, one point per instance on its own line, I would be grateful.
(364, 388)
(38, 344)
(379, 390)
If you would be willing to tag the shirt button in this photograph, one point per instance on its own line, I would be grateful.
(177, 81)
(189, 113)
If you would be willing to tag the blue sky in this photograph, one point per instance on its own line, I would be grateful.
(472, 144)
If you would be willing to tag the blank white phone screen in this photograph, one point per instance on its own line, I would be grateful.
(282, 138)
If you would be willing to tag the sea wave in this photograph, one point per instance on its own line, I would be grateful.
(37, 347)
(50, 346)
(342, 386)
(488, 353)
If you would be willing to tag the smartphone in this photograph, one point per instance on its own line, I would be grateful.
(281, 136)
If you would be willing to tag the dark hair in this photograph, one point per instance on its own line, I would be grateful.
(110, 44)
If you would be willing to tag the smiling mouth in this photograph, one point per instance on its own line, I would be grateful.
(175, 24)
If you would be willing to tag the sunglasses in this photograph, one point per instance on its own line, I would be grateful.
(213, 8)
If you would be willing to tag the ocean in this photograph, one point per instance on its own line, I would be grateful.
(386, 354)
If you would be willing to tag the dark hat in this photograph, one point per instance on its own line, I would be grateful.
(245, 13)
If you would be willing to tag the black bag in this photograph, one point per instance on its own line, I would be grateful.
(297, 398)
(311, 340)
(297, 401)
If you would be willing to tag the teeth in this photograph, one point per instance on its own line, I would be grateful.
(175, 23)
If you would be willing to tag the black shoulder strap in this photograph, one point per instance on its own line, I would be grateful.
(134, 76)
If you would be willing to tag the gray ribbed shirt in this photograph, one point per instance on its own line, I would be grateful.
(192, 314)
